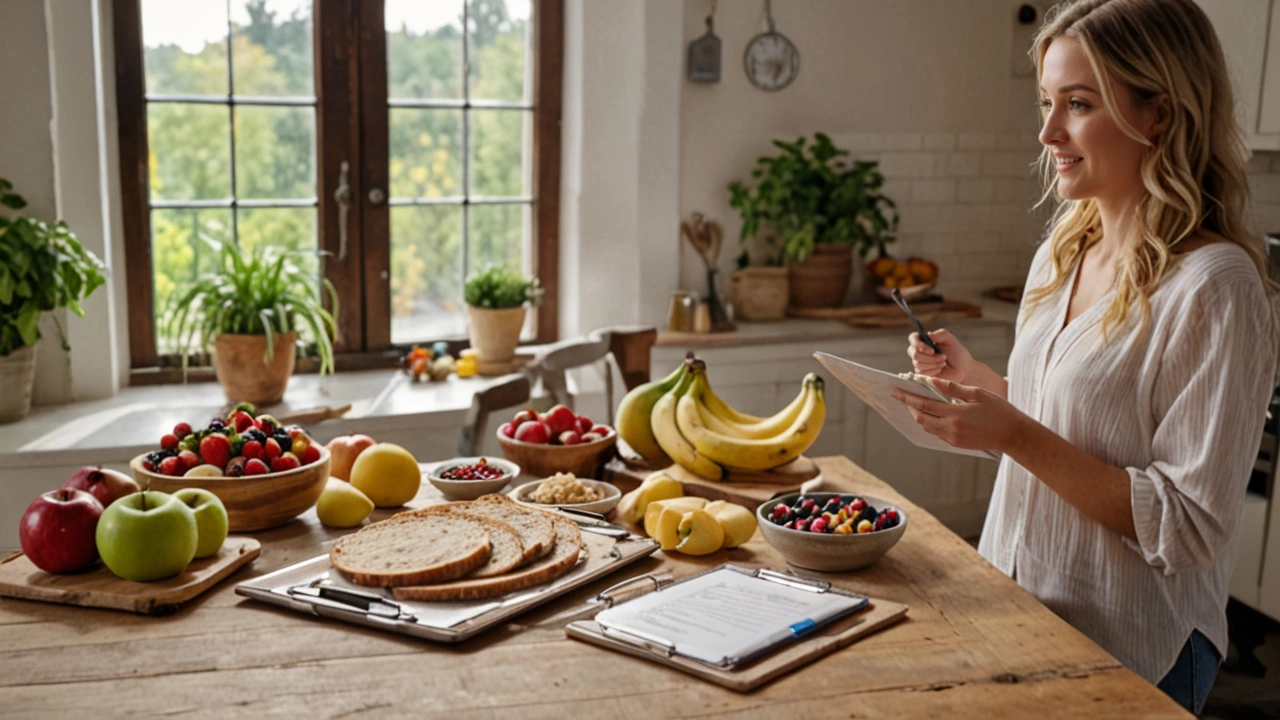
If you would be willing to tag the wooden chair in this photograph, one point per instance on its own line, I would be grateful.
(627, 349)
(507, 391)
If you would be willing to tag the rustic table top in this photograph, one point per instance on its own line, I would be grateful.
(974, 644)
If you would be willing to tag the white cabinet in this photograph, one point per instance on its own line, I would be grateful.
(1249, 31)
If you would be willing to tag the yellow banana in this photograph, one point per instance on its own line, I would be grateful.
(634, 411)
(766, 428)
(724, 411)
(663, 422)
(752, 454)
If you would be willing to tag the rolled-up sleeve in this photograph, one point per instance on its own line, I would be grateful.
(1211, 396)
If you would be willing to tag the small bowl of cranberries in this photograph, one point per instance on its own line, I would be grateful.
(467, 478)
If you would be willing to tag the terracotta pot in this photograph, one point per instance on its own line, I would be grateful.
(242, 368)
(823, 278)
(760, 294)
(17, 375)
(495, 333)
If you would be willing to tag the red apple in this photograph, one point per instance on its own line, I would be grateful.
(570, 437)
(508, 430)
(343, 451)
(561, 419)
(584, 424)
(103, 484)
(533, 431)
(601, 430)
(523, 417)
(58, 529)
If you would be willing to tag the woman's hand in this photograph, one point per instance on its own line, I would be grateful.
(954, 364)
(982, 421)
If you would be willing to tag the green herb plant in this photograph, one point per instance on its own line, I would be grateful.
(809, 194)
(498, 287)
(258, 292)
(42, 267)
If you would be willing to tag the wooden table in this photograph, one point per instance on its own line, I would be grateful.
(974, 644)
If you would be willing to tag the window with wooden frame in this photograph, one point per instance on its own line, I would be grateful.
(413, 142)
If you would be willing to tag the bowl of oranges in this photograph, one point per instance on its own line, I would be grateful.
(914, 277)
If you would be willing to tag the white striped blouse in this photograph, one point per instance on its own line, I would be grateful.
(1179, 405)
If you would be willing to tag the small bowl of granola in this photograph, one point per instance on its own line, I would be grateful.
(566, 491)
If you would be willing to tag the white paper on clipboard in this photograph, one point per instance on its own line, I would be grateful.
(873, 387)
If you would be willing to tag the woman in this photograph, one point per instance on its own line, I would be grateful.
(1145, 351)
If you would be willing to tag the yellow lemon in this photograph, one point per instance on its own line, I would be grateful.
(342, 506)
(388, 474)
(739, 523)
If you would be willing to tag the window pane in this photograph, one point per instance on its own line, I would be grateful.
(497, 236)
(426, 153)
(289, 228)
(497, 49)
(271, 53)
(499, 139)
(275, 152)
(424, 49)
(185, 46)
(179, 255)
(426, 273)
(190, 151)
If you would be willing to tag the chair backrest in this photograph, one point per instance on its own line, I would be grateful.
(627, 349)
(507, 391)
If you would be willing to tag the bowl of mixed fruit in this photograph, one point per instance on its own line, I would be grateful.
(831, 532)
(265, 474)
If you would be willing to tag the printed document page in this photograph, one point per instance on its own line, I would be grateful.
(724, 615)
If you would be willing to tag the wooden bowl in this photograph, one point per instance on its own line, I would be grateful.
(253, 503)
(584, 460)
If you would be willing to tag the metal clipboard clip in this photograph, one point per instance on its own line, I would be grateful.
(320, 592)
(795, 581)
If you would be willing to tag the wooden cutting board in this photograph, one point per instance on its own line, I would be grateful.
(99, 587)
(888, 315)
(748, 490)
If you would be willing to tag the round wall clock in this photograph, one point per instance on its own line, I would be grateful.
(771, 60)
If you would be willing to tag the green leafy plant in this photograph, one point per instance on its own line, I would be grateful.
(501, 287)
(261, 292)
(42, 267)
(810, 194)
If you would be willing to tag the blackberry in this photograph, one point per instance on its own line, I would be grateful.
(257, 434)
(284, 440)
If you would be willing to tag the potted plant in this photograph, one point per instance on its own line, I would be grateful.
(42, 267)
(496, 300)
(250, 309)
(821, 208)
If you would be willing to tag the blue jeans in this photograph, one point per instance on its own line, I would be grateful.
(1193, 674)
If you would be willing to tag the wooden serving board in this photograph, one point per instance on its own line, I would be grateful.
(890, 316)
(748, 490)
(99, 587)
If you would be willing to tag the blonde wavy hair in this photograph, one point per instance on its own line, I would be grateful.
(1194, 173)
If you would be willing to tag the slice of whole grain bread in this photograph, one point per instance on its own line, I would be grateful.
(508, 552)
(411, 550)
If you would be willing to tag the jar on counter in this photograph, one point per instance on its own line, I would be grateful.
(680, 314)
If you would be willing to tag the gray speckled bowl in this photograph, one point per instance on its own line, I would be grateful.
(829, 553)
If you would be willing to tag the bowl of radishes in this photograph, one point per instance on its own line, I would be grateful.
(557, 441)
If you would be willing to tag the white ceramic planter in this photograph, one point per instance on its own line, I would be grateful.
(17, 375)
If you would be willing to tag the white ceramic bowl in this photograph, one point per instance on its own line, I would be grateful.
(472, 489)
(612, 494)
(828, 552)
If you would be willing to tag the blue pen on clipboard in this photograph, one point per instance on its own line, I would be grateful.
(794, 632)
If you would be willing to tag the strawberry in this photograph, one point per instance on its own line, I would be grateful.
(310, 455)
(188, 459)
(252, 450)
(171, 466)
(272, 449)
(256, 467)
(216, 449)
(287, 461)
(169, 441)
(242, 421)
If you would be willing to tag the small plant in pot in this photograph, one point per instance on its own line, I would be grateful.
(496, 299)
(43, 267)
(251, 309)
(818, 207)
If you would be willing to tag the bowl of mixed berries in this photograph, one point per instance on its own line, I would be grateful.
(265, 474)
(831, 532)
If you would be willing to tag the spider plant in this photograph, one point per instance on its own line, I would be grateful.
(258, 292)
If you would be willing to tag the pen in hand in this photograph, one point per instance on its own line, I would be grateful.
(924, 334)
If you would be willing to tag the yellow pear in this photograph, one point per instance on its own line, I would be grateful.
(388, 474)
(700, 533)
(658, 486)
(681, 505)
(342, 506)
(738, 522)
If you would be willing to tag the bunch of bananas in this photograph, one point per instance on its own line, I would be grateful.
(680, 419)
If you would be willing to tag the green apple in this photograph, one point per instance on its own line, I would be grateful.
(147, 536)
(211, 519)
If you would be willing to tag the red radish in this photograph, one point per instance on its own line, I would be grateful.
(601, 430)
(533, 432)
(590, 437)
(523, 416)
(570, 437)
(169, 442)
(584, 424)
(215, 449)
(560, 418)
(508, 430)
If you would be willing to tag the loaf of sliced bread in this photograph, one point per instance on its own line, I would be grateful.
(561, 559)
(508, 551)
(411, 550)
(509, 511)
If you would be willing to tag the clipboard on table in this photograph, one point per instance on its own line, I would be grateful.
(691, 626)
(873, 386)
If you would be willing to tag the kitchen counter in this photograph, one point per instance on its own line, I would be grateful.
(974, 644)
